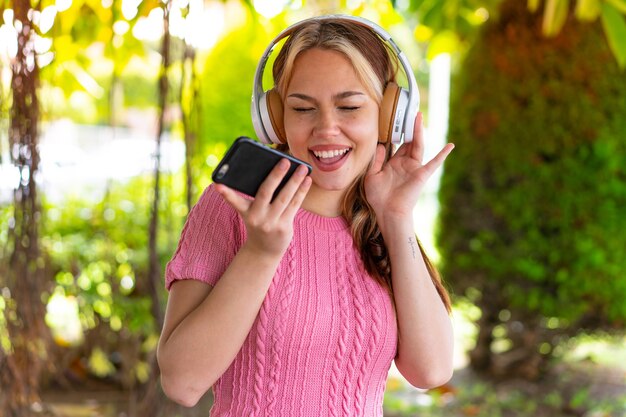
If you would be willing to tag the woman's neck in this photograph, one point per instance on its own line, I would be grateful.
(324, 202)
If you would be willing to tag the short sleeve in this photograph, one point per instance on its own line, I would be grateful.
(212, 235)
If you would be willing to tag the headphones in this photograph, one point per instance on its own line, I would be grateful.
(398, 108)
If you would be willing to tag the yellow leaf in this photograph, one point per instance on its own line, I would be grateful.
(533, 5)
(554, 16)
(422, 33)
(587, 10)
(446, 41)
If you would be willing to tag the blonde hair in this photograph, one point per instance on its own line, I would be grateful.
(375, 68)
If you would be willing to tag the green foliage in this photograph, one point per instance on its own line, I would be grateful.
(448, 24)
(98, 256)
(92, 248)
(93, 65)
(559, 396)
(225, 92)
(533, 196)
(615, 28)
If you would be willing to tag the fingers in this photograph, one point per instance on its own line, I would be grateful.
(291, 196)
(269, 223)
(289, 199)
(417, 146)
(276, 175)
(379, 159)
(298, 198)
(437, 161)
(238, 202)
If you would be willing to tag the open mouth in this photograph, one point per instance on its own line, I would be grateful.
(328, 160)
(329, 157)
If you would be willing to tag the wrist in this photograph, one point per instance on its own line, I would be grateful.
(260, 255)
(392, 224)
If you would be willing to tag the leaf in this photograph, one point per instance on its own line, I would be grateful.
(446, 41)
(615, 28)
(554, 16)
(431, 14)
(618, 4)
(422, 33)
(533, 5)
(587, 10)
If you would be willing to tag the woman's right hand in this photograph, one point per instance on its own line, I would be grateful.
(269, 224)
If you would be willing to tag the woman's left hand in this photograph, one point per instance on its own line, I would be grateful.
(393, 189)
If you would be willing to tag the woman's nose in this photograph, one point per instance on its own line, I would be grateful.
(327, 123)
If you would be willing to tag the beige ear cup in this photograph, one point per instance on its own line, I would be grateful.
(387, 111)
(275, 112)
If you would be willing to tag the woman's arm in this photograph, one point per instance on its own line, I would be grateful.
(425, 336)
(206, 326)
(425, 339)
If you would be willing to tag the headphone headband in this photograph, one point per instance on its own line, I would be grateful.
(405, 121)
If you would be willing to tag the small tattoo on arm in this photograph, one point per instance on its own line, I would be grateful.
(413, 245)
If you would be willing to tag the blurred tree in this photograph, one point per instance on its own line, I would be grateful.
(189, 102)
(533, 196)
(75, 33)
(22, 361)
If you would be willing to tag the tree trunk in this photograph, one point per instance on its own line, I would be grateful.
(154, 268)
(152, 398)
(189, 59)
(22, 365)
(481, 355)
(523, 359)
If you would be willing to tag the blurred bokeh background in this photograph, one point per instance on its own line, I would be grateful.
(113, 114)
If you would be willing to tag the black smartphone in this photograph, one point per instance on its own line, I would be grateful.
(247, 163)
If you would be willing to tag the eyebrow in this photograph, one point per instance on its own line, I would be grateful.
(338, 96)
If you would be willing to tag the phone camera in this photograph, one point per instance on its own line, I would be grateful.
(222, 171)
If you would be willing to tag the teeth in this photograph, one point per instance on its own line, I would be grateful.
(330, 154)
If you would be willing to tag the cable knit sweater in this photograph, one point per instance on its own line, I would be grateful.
(324, 338)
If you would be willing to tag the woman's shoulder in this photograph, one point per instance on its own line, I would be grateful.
(211, 208)
(210, 196)
(210, 199)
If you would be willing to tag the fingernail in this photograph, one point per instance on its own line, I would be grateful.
(301, 171)
(284, 164)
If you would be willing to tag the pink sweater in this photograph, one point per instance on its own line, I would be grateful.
(326, 334)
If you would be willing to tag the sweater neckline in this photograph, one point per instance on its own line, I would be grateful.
(321, 222)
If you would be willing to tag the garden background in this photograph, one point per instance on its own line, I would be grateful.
(113, 114)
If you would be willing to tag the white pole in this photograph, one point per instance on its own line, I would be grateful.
(436, 129)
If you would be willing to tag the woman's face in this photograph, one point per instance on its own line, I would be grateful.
(330, 120)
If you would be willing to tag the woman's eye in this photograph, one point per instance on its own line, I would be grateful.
(303, 109)
(349, 108)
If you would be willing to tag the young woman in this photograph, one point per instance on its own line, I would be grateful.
(297, 306)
